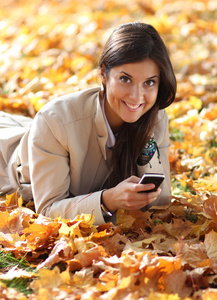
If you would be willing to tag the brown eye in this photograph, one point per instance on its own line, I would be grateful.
(125, 79)
(150, 82)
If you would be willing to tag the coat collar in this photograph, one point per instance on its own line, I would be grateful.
(101, 128)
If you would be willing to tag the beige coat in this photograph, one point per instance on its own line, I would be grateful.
(64, 156)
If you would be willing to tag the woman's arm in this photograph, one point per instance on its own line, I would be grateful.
(50, 173)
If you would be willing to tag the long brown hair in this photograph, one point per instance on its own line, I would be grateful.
(129, 43)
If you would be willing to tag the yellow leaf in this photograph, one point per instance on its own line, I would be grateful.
(47, 279)
(14, 200)
(124, 220)
(195, 102)
(126, 282)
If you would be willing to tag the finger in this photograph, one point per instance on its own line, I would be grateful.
(138, 205)
(141, 199)
(149, 197)
(133, 179)
(144, 187)
(154, 194)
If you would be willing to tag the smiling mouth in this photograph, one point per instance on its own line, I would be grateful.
(132, 106)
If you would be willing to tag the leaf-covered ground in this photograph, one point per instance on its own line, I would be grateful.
(49, 48)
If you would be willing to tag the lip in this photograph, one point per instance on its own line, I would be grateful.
(132, 107)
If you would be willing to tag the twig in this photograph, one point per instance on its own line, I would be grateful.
(76, 204)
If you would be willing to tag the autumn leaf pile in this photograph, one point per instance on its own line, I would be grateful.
(50, 48)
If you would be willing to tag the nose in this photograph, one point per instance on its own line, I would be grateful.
(137, 94)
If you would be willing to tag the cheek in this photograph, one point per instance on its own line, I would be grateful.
(114, 93)
(153, 96)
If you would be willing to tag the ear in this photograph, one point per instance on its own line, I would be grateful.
(103, 73)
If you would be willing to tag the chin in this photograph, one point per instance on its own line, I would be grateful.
(132, 121)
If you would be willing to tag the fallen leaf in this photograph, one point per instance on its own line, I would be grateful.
(210, 243)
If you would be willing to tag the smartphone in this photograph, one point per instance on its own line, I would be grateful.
(155, 178)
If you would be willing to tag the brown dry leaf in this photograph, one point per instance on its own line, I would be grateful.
(12, 223)
(165, 245)
(200, 229)
(178, 228)
(63, 250)
(193, 253)
(210, 243)
(115, 244)
(175, 283)
(132, 219)
(210, 207)
(86, 257)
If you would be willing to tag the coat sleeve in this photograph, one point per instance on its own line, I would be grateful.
(50, 173)
(161, 164)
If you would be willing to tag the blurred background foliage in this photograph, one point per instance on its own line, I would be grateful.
(51, 47)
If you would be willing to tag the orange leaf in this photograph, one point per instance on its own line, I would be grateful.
(39, 234)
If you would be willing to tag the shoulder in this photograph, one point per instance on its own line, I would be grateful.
(162, 120)
(72, 107)
(161, 128)
(162, 117)
(64, 116)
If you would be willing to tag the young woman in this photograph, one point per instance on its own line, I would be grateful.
(85, 152)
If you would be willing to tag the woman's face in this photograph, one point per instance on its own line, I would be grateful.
(131, 90)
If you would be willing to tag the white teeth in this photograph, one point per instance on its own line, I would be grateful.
(132, 106)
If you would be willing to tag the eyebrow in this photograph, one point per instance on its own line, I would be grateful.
(126, 74)
(132, 76)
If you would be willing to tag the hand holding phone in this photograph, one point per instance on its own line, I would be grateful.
(155, 178)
